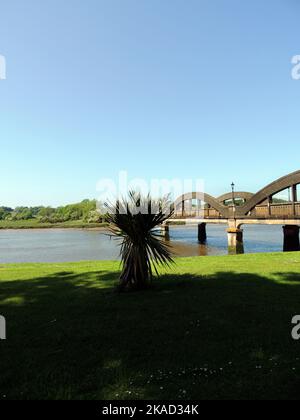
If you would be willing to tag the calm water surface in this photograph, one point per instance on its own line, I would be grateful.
(62, 245)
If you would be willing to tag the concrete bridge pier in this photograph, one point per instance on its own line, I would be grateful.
(202, 235)
(165, 231)
(291, 238)
(235, 238)
(235, 241)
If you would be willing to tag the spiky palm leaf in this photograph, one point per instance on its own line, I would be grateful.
(133, 222)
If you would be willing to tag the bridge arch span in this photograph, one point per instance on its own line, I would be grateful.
(206, 198)
(269, 191)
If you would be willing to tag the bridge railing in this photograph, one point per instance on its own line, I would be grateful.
(277, 210)
(265, 211)
(201, 213)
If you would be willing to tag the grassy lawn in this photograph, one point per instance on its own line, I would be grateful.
(215, 327)
(35, 224)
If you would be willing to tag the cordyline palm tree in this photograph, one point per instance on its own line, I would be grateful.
(134, 222)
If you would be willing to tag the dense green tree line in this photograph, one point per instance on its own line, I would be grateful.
(85, 211)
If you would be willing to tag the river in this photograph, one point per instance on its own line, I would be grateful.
(62, 245)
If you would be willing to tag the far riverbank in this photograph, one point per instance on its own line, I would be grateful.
(35, 224)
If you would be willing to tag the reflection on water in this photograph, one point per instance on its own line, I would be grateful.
(61, 245)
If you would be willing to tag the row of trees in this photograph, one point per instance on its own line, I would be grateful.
(85, 211)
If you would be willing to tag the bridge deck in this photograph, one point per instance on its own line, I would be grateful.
(239, 221)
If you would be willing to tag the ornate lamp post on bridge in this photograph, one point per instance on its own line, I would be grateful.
(235, 234)
(233, 199)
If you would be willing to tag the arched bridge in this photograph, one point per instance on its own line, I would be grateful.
(264, 205)
(277, 203)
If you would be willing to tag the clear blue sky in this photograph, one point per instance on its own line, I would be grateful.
(160, 88)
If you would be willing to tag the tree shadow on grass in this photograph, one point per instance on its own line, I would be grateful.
(71, 337)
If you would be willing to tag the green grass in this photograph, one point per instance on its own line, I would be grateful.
(35, 224)
(215, 327)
